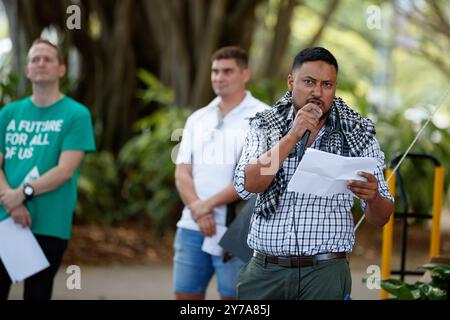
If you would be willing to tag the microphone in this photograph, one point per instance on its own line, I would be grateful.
(302, 146)
(305, 138)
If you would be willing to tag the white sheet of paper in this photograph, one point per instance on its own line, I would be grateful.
(325, 174)
(20, 252)
(211, 244)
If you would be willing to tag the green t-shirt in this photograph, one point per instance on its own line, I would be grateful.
(31, 140)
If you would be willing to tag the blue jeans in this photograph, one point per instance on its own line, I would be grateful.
(194, 268)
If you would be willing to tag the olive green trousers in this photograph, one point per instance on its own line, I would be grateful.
(327, 280)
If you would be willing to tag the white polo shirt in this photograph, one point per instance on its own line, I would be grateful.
(213, 146)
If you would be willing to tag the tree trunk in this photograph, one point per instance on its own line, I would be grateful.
(206, 46)
(272, 61)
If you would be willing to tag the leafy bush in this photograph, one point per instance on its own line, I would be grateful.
(146, 162)
(9, 83)
(438, 288)
(98, 183)
(267, 90)
(395, 134)
(147, 168)
(8, 90)
(139, 182)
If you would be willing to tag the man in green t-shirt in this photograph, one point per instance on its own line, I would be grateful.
(43, 139)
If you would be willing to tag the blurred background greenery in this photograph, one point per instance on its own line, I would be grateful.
(142, 67)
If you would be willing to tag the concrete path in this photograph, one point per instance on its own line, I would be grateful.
(152, 282)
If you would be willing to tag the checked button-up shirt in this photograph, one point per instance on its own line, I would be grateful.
(304, 224)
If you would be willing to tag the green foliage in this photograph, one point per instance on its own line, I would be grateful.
(8, 89)
(10, 82)
(349, 91)
(436, 289)
(395, 133)
(267, 90)
(140, 181)
(147, 164)
(97, 187)
(156, 91)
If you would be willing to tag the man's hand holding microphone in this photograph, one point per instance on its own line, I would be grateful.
(307, 120)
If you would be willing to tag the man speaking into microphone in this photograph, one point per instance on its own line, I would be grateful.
(301, 241)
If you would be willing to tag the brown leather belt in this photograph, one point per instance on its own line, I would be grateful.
(302, 261)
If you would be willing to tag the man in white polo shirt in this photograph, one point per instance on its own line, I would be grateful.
(213, 138)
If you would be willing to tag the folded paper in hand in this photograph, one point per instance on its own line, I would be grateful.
(210, 244)
(20, 252)
(325, 174)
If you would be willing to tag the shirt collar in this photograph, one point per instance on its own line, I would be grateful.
(241, 106)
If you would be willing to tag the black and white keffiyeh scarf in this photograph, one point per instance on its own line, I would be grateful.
(346, 133)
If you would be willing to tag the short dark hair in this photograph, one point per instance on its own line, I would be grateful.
(232, 52)
(314, 54)
(58, 50)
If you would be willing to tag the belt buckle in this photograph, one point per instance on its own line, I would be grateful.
(314, 260)
(284, 261)
(260, 256)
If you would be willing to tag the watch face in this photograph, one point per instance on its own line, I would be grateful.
(28, 190)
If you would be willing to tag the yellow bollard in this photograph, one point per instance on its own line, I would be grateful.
(388, 234)
(437, 211)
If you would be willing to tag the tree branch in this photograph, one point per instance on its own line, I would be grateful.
(440, 63)
(325, 20)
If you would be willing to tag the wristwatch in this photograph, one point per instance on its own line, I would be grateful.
(28, 191)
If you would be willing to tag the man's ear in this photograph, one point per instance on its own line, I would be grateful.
(62, 70)
(290, 82)
(247, 74)
(26, 71)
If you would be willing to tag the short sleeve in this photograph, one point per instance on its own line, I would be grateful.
(3, 124)
(185, 150)
(80, 135)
